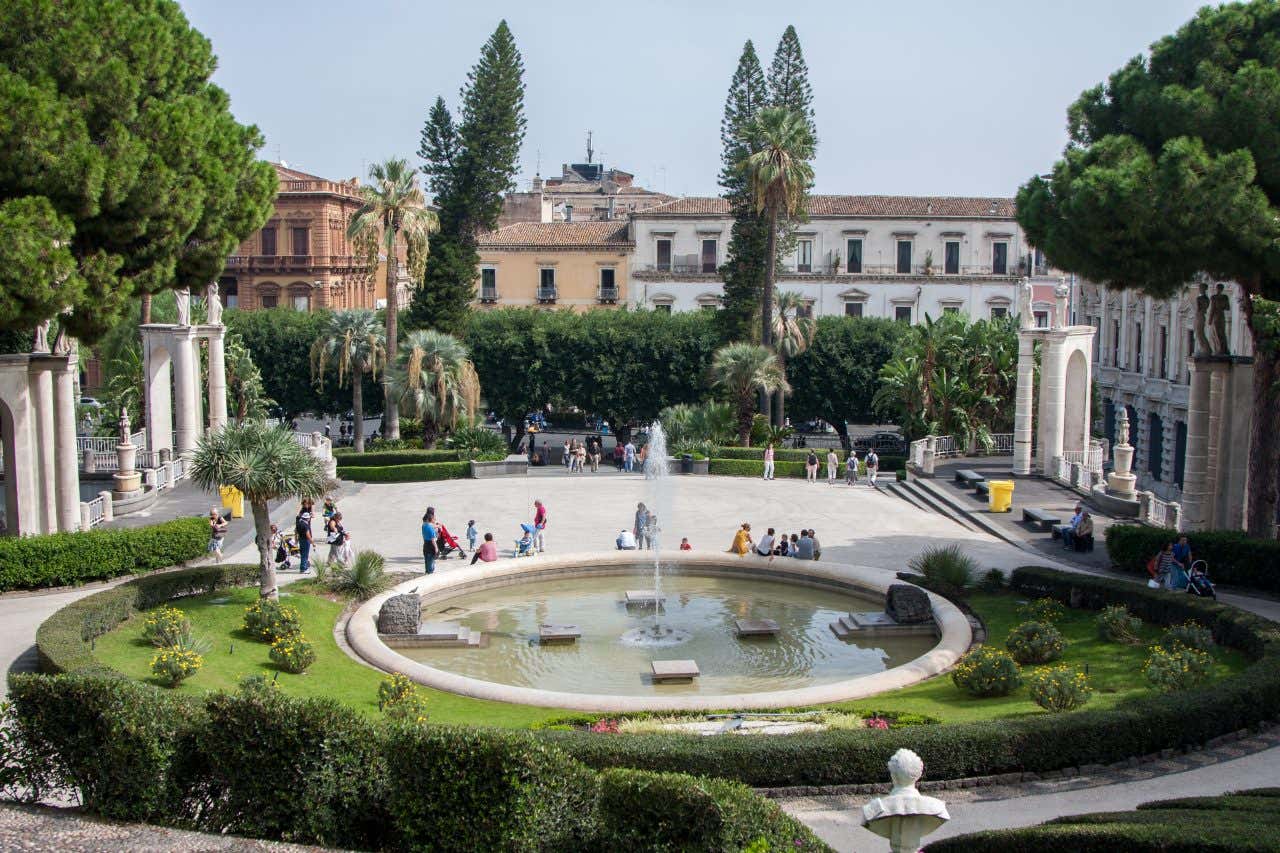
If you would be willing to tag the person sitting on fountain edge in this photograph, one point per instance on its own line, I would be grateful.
(626, 540)
(764, 548)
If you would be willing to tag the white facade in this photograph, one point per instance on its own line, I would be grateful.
(871, 256)
(1141, 355)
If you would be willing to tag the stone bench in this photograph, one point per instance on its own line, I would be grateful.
(969, 477)
(1043, 519)
(674, 670)
(756, 627)
(558, 633)
(982, 488)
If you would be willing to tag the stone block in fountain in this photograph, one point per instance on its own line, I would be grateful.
(756, 627)
(558, 633)
(675, 670)
(907, 612)
(643, 596)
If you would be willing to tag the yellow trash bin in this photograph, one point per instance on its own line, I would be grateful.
(233, 499)
(1000, 495)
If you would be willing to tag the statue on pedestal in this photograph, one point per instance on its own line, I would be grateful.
(1025, 318)
(1120, 482)
(1061, 294)
(1219, 306)
(1202, 308)
(40, 342)
(214, 304)
(182, 299)
(905, 816)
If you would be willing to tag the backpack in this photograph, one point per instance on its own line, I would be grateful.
(813, 459)
(873, 460)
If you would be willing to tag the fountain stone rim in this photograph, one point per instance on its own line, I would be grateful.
(955, 634)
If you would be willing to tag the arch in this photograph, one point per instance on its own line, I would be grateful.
(300, 296)
(1075, 433)
(9, 453)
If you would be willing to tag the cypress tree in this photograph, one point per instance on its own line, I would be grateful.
(471, 166)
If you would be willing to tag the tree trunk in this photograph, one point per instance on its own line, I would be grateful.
(766, 300)
(780, 407)
(357, 409)
(744, 420)
(1264, 438)
(391, 417)
(267, 571)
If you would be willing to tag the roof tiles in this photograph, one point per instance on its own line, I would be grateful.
(604, 235)
(859, 206)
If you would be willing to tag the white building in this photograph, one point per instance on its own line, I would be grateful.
(1140, 359)
(898, 257)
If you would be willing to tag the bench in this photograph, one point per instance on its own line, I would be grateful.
(982, 488)
(1043, 519)
(969, 477)
(674, 670)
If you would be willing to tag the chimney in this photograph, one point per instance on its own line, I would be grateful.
(609, 212)
(537, 183)
(568, 213)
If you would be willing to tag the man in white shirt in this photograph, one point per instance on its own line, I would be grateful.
(626, 540)
(765, 546)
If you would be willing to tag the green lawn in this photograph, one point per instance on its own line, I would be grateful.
(218, 618)
(1115, 670)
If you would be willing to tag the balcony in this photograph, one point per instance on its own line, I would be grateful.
(284, 263)
(546, 295)
(608, 296)
(488, 295)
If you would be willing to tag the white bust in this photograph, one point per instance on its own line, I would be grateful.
(905, 815)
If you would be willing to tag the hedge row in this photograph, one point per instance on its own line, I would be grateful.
(1245, 821)
(419, 473)
(755, 468)
(64, 641)
(315, 771)
(1233, 557)
(783, 454)
(62, 559)
(1036, 743)
(348, 458)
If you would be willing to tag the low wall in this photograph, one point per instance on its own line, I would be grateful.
(515, 465)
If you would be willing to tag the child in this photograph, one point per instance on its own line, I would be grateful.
(281, 548)
(472, 534)
(329, 507)
(684, 544)
(524, 545)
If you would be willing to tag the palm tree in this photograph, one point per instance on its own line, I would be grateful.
(742, 370)
(779, 173)
(434, 377)
(354, 343)
(792, 335)
(266, 464)
(394, 207)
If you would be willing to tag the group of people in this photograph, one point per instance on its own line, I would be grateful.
(1175, 568)
(439, 544)
(643, 533)
(1077, 534)
(801, 546)
(812, 463)
(301, 542)
(578, 454)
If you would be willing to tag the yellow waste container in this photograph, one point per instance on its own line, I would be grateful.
(233, 499)
(1000, 495)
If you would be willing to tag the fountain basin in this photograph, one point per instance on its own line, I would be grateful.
(856, 582)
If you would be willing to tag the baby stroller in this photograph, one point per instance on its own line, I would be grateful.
(1198, 583)
(524, 545)
(448, 544)
(286, 547)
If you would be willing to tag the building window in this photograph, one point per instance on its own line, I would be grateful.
(269, 241)
(804, 256)
(488, 283)
(804, 311)
(1137, 347)
(1115, 343)
(1164, 352)
(229, 292)
(608, 283)
(705, 306)
(999, 258)
(902, 313)
(855, 257)
(1133, 430)
(300, 301)
(853, 309)
(547, 284)
(1179, 451)
(708, 256)
(664, 307)
(1042, 319)
(301, 241)
(950, 309)
(999, 311)
(664, 256)
(269, 297)
(904, 256)
(951, 258)
(1155, 447)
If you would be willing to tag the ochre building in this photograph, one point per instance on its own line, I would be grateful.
(578, 265)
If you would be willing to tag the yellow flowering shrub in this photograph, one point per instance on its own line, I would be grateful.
(1042, 610)
(987, 671)
(1191, 634)
(401, 699)
(164, 626)
(269, 620)
(1035, 642)
(1117, 625)
(293, 653)
(1059, 688)
(173, 665)
(1176, 667)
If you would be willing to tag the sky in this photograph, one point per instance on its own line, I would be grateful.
(923, 98)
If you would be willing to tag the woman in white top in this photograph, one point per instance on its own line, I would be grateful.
(833, 465)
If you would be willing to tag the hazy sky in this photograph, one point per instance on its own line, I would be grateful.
(922, 98)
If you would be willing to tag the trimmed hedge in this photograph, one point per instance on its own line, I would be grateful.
(1035, 743)
(377, 458)
(754, 468)
(64, 640)
(261, 764)
(407, 473)
(62, 559)
(787, 454)
(1233, 557)
(1245, 821)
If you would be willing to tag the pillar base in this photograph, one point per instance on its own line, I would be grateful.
(127, 483)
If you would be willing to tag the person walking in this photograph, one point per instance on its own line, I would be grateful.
(768, 461)
(811, 467)
(430, 540)
(628, 457)
(851, 468)
(873, 467)
(833, 465)
(594, 452)
(539, 526)
(217, 532)
(568, 455)
(336, 536)
(302, 528)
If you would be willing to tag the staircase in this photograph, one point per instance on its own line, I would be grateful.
(929, 499)
(449, 635)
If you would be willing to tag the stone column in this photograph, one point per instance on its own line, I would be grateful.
(217, 378)
(1212, 470)
(1022, 415)
(45, 458)
(1052, 400)
(188, 431)
(66, 453)
(1195, 494)
(158, 389)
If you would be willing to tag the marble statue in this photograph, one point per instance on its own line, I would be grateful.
(1202, 308)
(1219, 307)
(40, 343)
(1122, 426)
(1061, 295)
(1025, 318)
(125, 427)
(905, 816)
(182, 299)
(1121, 482)
(214, 304)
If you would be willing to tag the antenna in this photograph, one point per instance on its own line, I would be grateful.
(538, 169)
(589, 151)
(278, 159)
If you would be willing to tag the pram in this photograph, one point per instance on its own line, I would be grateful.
(448, 544)
(286, 547)
(524, 545)
(1199, 583)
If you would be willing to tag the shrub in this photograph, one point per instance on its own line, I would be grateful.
(173, 665)
(363, 579)
(470, 442)
(269, 620)
(165, 626)
(1059, 688)
(754, 468)
(1232, 556)
(1176, 667)
(992, 581)
(1117, 625)
(401, 699)
(1035, 642)
(945, 567)
(293, 653)
(987, 671)
(1042, 609)
(1193, 635)
(418, 473)
(62, 559)
(380, 458)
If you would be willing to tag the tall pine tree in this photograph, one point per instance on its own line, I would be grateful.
(789, 79)
(471, 166)
(743, 270)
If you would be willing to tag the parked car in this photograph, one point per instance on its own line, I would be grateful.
(92, 402)
(883, 443)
